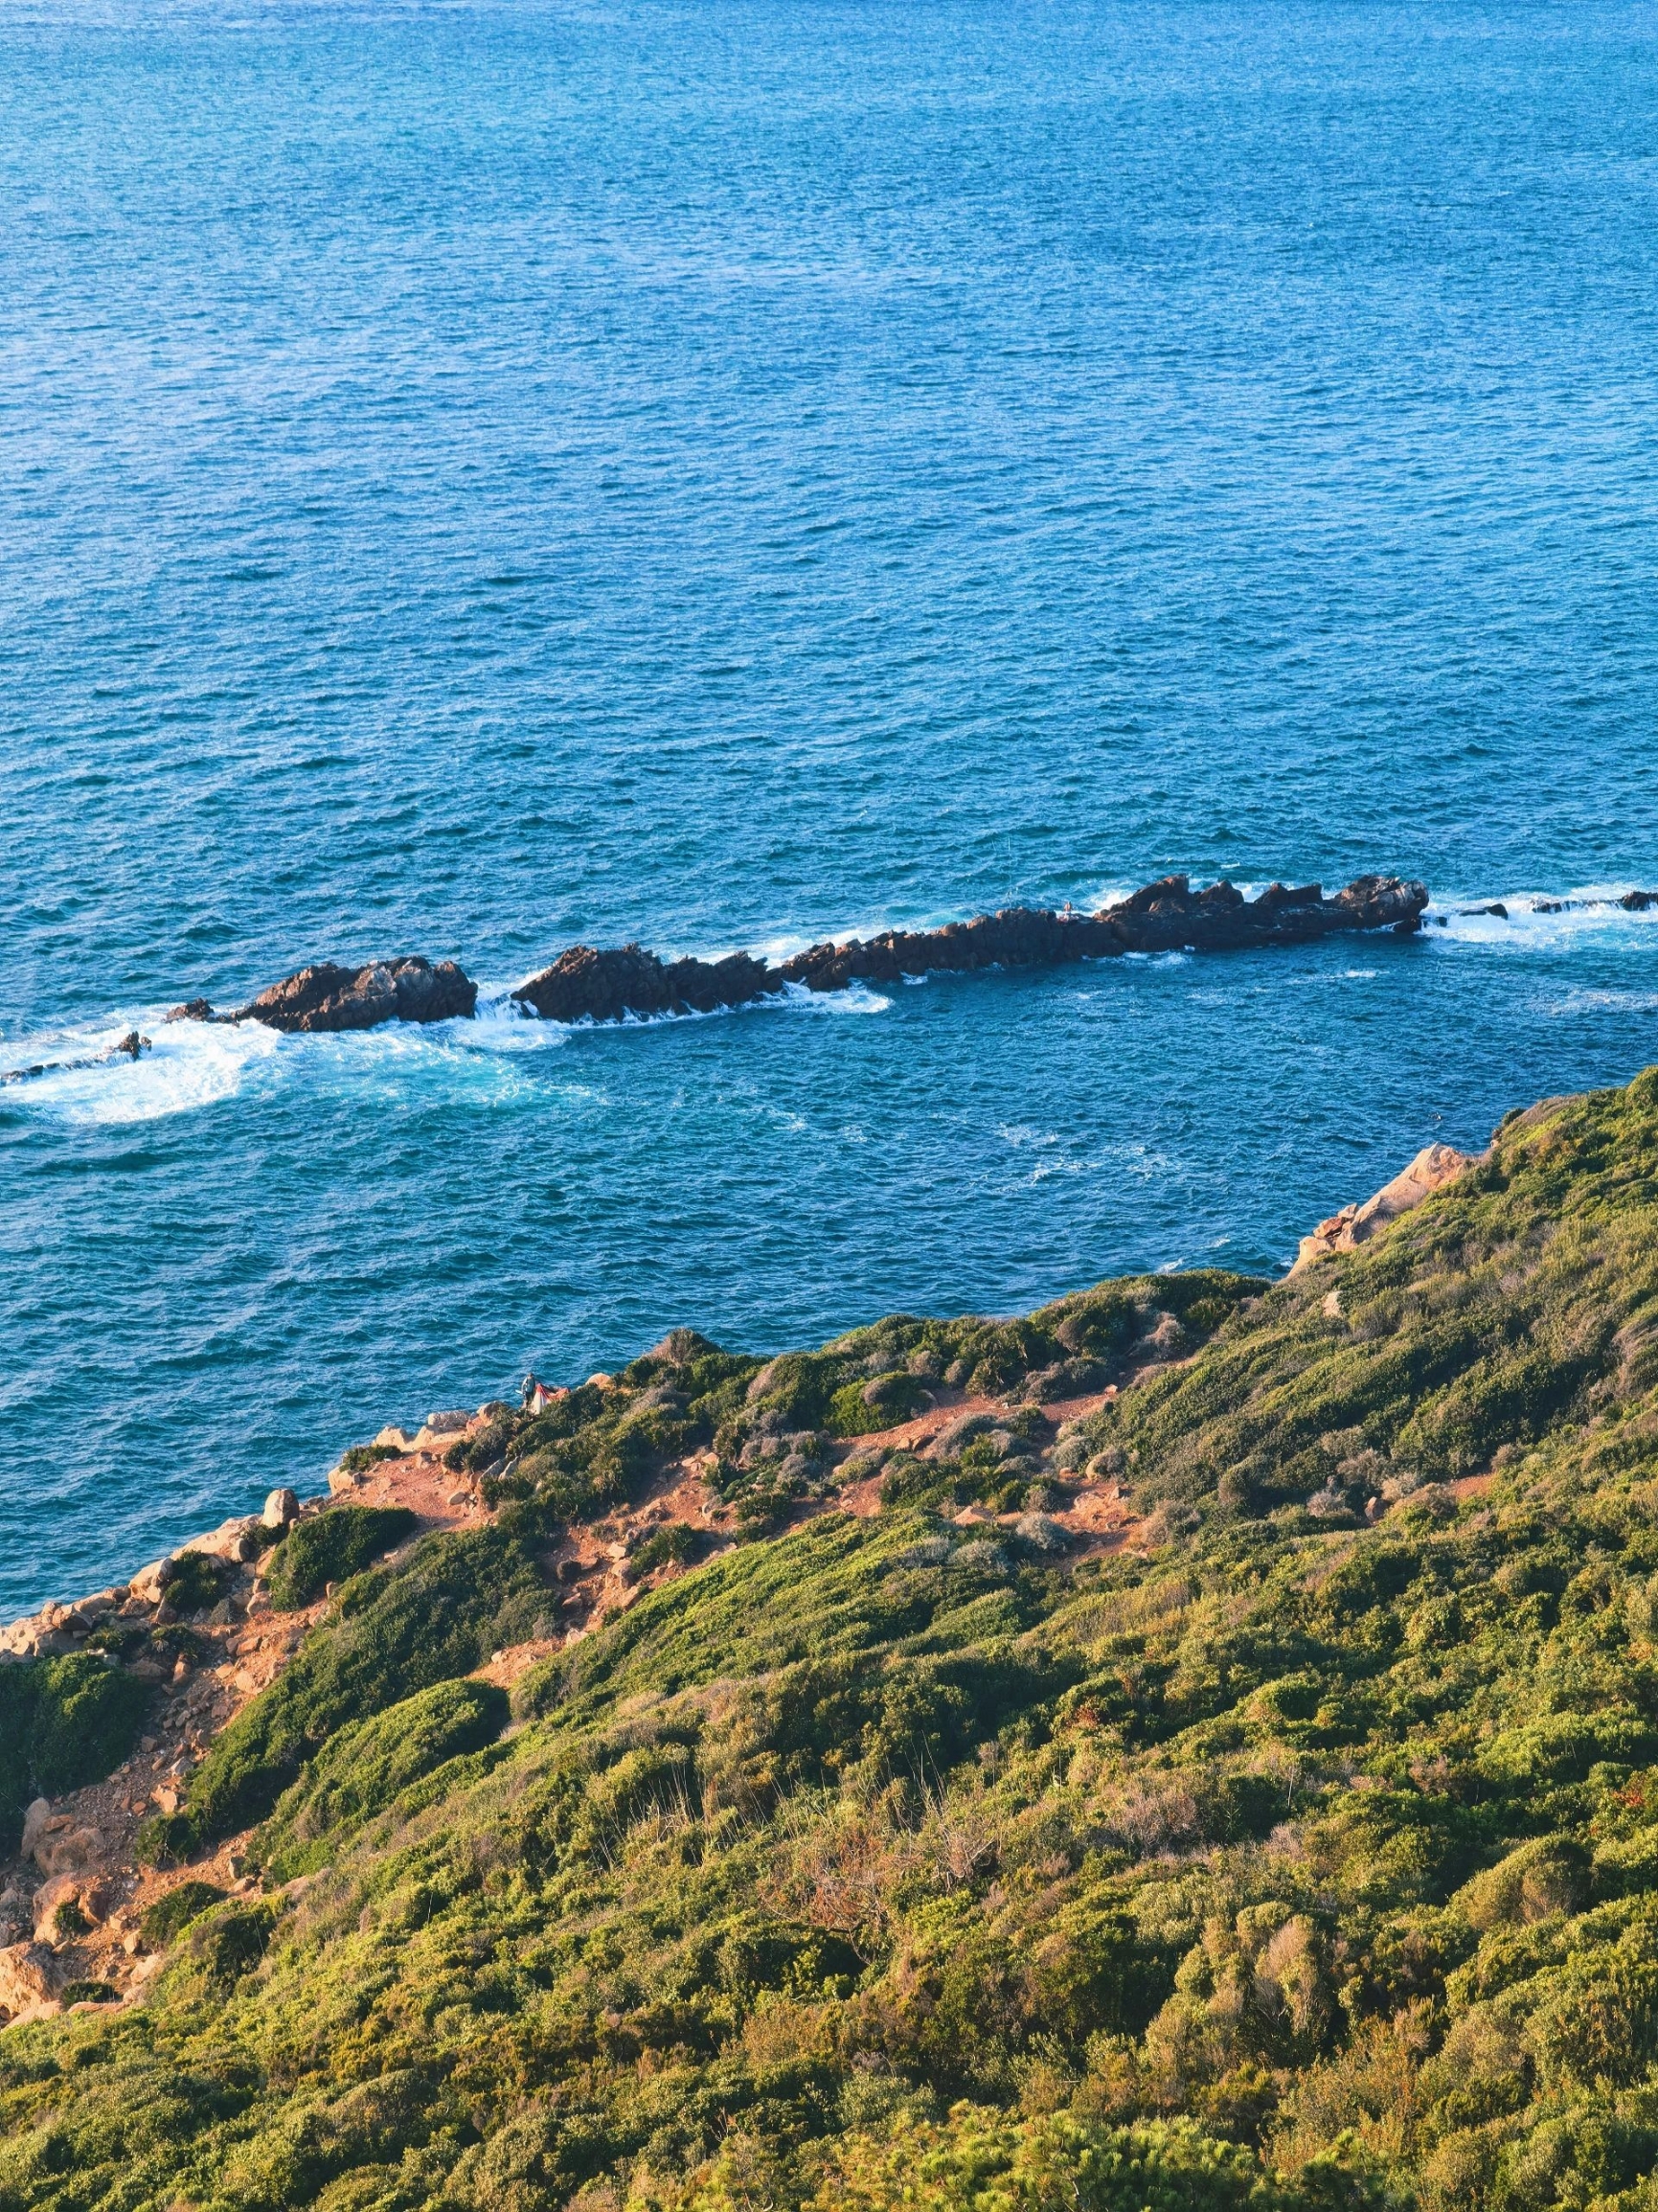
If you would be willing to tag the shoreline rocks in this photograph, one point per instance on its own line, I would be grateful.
(1433, 1168)
(587, 985)
(628, 982)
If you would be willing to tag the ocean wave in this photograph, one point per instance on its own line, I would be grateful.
(857, 998)
(1544, 920)
(791, 997)
(187, 1066)
(1605, 1002)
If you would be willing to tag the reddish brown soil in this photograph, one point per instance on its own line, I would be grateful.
(241, 1657)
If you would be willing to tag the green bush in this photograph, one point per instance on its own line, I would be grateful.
(673, 1541)
(199, 1583)
(361, 1457)
(89, 1993)
(979, 2157)
(224, 1944)
(63, 1723)
(172, 1912)
(363, 1769)
(329, 1547)
(396, 1631)
(861, 1409)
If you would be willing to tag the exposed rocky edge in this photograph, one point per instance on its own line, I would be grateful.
(1433, 1168)
(326, 996)
(584, 984)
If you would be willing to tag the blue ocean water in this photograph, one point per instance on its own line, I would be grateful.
(474, 477)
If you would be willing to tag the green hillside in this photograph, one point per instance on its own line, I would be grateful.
(1308, 1858)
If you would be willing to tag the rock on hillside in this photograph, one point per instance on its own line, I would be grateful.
(1433, 1168)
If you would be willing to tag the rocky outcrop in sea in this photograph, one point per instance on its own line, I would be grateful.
(132, 1046)
(587, 985)
(326, 996)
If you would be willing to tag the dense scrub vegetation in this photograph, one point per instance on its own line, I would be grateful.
(63, 1723)
(1309, 1858)
(393, 1630)
(331, 1548)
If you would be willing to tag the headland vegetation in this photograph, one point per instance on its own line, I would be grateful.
(1194, 1745)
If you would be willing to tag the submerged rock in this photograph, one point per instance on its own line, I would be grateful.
(585, 984)
(132, 1046)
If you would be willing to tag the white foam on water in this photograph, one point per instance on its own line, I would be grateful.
(783, 945)
(1057, 1155)
(1588, 916)
(857, 998)
(1605, 1002)
(189, 1065)
(500, 1025)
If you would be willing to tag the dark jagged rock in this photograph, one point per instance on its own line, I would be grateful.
(327, 997)
(584, 985)
(588, 985)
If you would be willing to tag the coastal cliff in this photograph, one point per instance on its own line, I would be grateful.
(1194, 1745)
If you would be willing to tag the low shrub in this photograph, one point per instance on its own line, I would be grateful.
(674, 1543)
(363, 1456)
(199, 1583)
(226, 1943)
(64, 1722)
(363, 1769)
(861, 1409)
(174, 1912)
(330, 1547)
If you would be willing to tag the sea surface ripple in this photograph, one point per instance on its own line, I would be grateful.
(477, 476)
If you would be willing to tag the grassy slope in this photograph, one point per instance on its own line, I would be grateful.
(1298, 1863)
